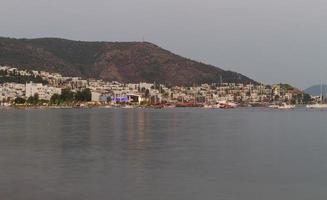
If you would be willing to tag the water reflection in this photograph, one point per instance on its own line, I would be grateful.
(167, 154)
(136, 130)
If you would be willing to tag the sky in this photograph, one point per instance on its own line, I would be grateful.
(271, 41)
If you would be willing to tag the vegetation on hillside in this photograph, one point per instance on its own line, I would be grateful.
(6, 77)
(119, 61)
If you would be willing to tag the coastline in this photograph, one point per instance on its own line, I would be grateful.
(53, 107)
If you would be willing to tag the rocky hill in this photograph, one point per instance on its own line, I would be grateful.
(119, 61)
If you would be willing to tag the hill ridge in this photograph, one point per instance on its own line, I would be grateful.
(111, 61)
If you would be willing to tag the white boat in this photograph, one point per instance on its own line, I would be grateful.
(274, 106)
(286, 106)
(215, 106)
(321, 104)
(227, 104)
(128, 106)
(317, 106)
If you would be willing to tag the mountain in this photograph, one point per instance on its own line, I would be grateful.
(111, 61)
(316, 91)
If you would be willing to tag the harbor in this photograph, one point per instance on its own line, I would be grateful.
(56, 91)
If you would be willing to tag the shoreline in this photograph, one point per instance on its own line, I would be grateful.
(27, 107)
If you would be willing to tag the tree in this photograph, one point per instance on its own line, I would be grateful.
(67, 95)
(147, 93)
(306, 98)
(156, 85)
(56, 99)
(19, 100)
(109, 99)
(84, 95)
(33, 99)
(87, 94)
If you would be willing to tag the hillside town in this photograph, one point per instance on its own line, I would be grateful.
(39, 88)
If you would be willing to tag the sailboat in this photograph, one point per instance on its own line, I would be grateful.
(320, 105)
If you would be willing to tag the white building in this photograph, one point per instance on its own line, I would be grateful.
(11, 91)
(96, 96)
(43, 91)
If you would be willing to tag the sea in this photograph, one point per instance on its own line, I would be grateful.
(167, 154)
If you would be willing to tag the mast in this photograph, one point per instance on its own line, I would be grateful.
(221, 80)
(321, 98)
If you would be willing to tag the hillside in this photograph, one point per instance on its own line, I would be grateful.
(315, 90)
(119, 61)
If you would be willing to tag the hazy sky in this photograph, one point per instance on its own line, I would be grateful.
(269, 40)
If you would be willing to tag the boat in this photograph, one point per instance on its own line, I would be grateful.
(282, 106)
(285, 106)
(317, 106)
(207, 106)
(274, 106)
(321, 104)
(214, 106)
(128, 106)
(227, 104)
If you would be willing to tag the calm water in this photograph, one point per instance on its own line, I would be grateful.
(163, 154)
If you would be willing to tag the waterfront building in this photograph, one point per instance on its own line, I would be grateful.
(45, 92)
(95, 96)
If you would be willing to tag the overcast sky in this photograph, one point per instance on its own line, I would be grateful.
(269, 40)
